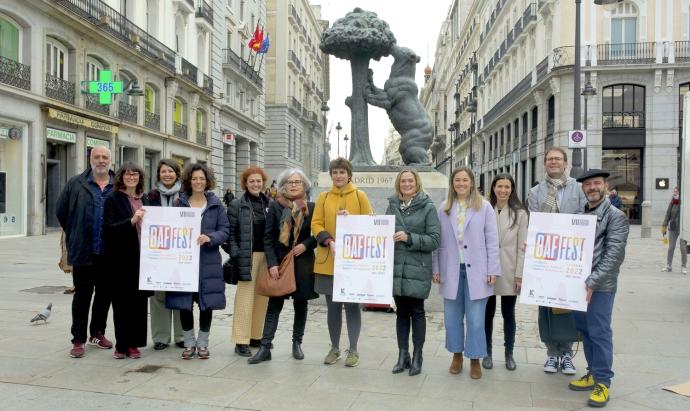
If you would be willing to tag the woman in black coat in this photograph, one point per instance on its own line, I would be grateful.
(288, 226)
(122, 216)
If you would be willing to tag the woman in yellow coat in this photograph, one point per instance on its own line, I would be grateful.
(343, 199)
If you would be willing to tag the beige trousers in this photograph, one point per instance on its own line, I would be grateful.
(250, 308)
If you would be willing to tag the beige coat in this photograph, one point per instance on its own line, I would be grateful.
(510, 240)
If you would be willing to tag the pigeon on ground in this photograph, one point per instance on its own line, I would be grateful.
(43, 314)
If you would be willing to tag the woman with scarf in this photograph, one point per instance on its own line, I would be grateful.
(288, 227)
(122, 215)
(672, 226)
(164, 194)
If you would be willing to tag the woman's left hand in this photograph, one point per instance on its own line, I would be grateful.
(299, 249)
(203, 239)
(491, 279)
(518, 284)
(400, 236)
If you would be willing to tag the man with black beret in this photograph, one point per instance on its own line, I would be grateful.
(609, 253)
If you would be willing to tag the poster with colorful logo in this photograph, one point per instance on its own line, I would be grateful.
(169, 252)
(364, 259)
(558, 260)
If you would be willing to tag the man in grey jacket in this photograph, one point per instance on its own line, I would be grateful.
(557, 193)
(608, 255)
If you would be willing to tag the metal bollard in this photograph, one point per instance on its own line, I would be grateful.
(646, 231)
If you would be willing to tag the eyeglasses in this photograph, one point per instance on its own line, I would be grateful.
(294, 182)
(131, 175)
(554, 158)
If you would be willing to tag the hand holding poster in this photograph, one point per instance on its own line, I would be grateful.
(363, 270)
(558, 259)
(169, 252)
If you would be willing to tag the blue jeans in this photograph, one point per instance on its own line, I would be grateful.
(473, 344)
(597, 337)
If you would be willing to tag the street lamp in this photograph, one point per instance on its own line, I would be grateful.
(338, 128)
(345, 139)
(587, 92)
(451, 129)
(326, 144)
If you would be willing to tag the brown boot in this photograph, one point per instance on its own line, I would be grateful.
(456, 365)
(475, 369)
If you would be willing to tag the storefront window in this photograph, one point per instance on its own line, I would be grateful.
(12, 181)
(625, 166)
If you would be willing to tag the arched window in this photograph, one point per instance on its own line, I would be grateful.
(93, 68)
(624, 23)
(152, 118)
(179, 118)
(56, 59)
(623, 106)
(9, 39)
(201, 126)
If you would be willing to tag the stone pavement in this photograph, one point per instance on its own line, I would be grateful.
(651, 331)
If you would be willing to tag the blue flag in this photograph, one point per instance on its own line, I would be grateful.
(265, 45)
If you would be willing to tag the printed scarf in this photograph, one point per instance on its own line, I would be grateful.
(294, 211)
(550, 204)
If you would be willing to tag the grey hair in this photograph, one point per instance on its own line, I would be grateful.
(283, 178)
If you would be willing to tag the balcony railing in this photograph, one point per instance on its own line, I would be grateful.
(293, 13)
(295, 60)
(208, 85)
(92, 103)
(625, 119)
(179, 130)
(295, 104)
(127, 112)
(189, 71)
(59, 89)
(542, 68)
(108, 20)
(152, 121)
(205, 11)
(240, 66)
(529, 14)
(625, 53)
(682, 51)
(201, 137)
(15, 73)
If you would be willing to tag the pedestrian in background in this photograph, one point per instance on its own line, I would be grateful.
(247, 216)
(122, 216)
(164, 194)
(79, 210)
(512, 221)
(417, 235)
(466, 265)
(288, 227)
(342, 199)
(557, 193)
(615, 199)
(197, 183)
(228, 197)
(671, 225)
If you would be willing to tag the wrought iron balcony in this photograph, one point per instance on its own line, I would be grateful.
(189, 71)
(625, 53)
(295, 105)
(201, 137)
(127, 112)
(682, 51)
(152, 120)
(15, 73)
(530, 14)
(205, 11)
(59, 89)
(236, 63)
(109, 21)
(208, 85)
(180, 130)
(295, 60)
(91, 103)
(294, 15)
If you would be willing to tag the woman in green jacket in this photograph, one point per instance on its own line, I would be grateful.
(417, 234)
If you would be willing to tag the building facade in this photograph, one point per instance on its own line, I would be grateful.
(296, 89)
(391, 149)
(49, 121)
(521, 60)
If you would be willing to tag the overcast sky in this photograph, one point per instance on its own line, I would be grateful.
(415, 25)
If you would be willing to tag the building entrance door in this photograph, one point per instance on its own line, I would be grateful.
(52, 191)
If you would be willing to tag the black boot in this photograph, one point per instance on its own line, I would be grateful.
(416, 366)
(510, 362)
(297, 351)
(264, 354)
(403, 361)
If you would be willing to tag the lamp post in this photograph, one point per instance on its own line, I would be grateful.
(345, 139)
(326, 144)
(451, 129)
(587, 92)
(338, 128)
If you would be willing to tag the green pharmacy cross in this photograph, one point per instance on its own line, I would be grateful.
(105, 87)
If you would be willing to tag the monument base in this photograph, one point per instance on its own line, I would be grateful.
(378, 182)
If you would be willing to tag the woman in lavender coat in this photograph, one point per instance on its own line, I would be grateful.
(466, 266)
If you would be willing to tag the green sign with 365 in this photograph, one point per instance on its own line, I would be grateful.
(105, 87)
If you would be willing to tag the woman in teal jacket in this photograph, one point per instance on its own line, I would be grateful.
(418, 233)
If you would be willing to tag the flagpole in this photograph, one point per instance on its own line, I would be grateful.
(257, 52)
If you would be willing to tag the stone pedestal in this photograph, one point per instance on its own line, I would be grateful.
(378, 182)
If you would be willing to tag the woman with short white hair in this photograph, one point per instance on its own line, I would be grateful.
(288, 227)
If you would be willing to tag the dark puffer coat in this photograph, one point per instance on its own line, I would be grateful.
(239, 245)
(412, 262)
(276, 251)
(214, 223)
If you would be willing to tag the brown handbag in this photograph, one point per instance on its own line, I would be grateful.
(284, 285)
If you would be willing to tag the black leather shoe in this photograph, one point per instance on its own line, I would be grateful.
(297, 351)
(510, 362)
(179, 344)
(416, 365)
(264, 354)
(160, 346)
(488, 363)
(243, 350)
(254, 343)
(403, 362)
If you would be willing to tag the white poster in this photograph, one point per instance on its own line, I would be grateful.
(558, 260)
(364, 259)
(169, 252)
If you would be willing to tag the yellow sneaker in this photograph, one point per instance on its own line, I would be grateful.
(585, 383)
(599, 396)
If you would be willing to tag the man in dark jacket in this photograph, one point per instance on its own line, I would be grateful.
(80, 212)
(608, 255)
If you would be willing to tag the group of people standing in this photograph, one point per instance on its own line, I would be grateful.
(473, 248)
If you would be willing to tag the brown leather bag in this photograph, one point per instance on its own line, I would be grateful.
(284, 285)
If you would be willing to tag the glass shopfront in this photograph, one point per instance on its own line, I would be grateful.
(12, 181)
(625, 166)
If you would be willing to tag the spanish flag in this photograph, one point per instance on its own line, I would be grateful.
(257, 39)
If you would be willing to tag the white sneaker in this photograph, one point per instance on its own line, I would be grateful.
(666, 269)
(684, 270)
(567, 366)
(551, 365)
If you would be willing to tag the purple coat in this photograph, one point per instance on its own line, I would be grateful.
(480, 249)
